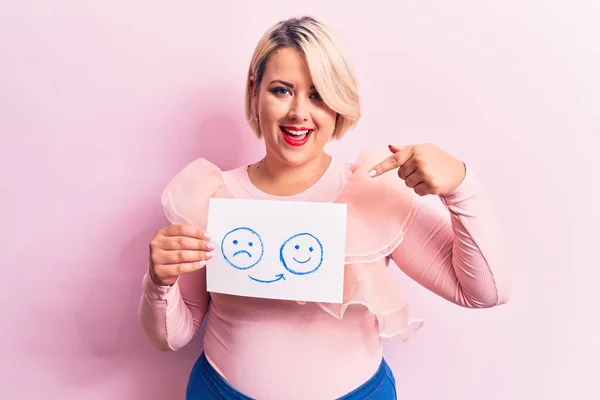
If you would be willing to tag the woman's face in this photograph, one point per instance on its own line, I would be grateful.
(295, 123)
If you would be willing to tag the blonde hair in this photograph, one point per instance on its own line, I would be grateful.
(329, 68)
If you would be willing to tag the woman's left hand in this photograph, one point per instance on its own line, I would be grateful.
(424, 167)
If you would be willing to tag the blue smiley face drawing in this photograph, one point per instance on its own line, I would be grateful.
(301, 254)
(242, 248)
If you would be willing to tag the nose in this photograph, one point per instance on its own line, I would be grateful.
(298, 110)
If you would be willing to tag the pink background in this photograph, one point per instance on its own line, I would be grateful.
(102, 102)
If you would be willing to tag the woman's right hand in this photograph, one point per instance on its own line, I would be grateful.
(176, 250)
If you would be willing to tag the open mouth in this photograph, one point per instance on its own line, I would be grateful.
(295, 136)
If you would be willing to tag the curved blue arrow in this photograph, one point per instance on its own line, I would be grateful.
(279, 277)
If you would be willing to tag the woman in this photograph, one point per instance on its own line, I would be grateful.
(301, 93)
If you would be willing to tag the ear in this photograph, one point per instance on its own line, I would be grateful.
(252, 86)
(253, 93)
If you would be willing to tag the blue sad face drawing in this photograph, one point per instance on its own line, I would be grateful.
(242, 248)
(301, 254)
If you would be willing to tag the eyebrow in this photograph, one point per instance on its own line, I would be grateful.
(291, 86)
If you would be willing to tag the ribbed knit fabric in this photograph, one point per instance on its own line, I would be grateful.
(271, 349)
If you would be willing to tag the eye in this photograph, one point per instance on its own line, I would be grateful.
(316, 96)
(310, 249)
(235, 242)
(250, 244)
(296, 247)
(280, 91)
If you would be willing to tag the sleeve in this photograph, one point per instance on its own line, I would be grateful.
(455, 250)
(170, 315)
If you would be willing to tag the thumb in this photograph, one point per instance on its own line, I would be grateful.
(395, 149)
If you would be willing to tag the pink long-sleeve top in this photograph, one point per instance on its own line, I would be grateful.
(278, 349)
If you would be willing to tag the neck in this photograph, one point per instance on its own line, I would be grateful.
(278, 178)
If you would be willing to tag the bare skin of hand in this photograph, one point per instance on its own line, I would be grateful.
(425, 168)
(176, 250)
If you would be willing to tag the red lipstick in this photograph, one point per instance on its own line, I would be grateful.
(292, 138)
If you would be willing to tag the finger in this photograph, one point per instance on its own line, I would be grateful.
(184, 268)
(186, 243)
(394, 148)
(422, 189)
(185, 230)
(392, 162)
(408, 168)
(181, 256)
(414, 179)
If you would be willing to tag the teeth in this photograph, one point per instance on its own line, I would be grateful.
(295, 133)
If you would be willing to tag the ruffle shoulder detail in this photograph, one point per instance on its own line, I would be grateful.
(185, 198)
(380, 210)
(380, 213)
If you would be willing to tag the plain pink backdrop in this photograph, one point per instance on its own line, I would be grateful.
(102, 102)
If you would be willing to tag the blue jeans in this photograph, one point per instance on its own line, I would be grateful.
(206, 384)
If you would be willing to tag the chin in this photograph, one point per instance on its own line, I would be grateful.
(296, 158)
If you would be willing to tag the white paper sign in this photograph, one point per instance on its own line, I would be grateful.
(277, 249)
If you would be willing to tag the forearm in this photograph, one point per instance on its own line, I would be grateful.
(168, 322)
(456, 251)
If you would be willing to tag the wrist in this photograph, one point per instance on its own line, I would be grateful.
(460, 174)
(160, 282)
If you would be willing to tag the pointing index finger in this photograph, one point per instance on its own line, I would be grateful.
(402, 155)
